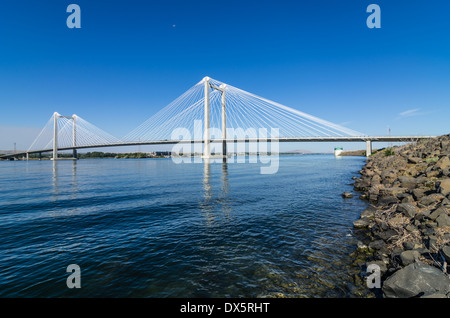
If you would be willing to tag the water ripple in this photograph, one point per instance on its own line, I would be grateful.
(151, 228)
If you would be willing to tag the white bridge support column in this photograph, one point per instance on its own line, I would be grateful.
(55, 136)
(206, 136)
(74, 135)
(368, 148)
(224, 123)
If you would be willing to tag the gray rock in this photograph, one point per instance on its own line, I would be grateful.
(432, 174)
(373, 197)
(416, 279)
(369, 213)
(434, 296)
(388, 175)
(443, 220)
(407, 182)
(347, 195)
(429, 230)
(386, 200)
(423, 251)
(422, 180)
(407, 209)
(409, 257)
(431, 199)
(423, 215)
(445, 251)
(443, 163)
(378, 245)
(376, 179)
(446, 202)
(361, 223)
(396, 251)
(444, 186)
(361, 247)
(445, 144)
(361, 185)
(407, 198)
(418, 194)
(393, 191)
(441, 210)
(446, 172)
(383, 226)
(431, 243)
(408, 245)
(386, 235)
(414, 160)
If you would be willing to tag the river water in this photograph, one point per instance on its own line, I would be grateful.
(154, 228)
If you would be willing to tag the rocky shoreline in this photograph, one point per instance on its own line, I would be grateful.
(405, 232)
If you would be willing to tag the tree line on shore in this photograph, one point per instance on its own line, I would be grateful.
(106, 155)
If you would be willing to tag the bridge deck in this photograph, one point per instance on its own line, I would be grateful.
(280, 139)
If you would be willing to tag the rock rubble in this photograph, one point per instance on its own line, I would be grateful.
(406, 228)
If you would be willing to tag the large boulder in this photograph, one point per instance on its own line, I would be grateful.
(407, 182)
(443, 220)
(418, 194)
(416, 279)
(369, 213)
(386, 200)
(444, 186)
(446, 253)
(409, 257)
(407, 209)
(446, 172)
(431, 199)
(361, 223)
(414, 160)
(443, 163)
(436, 213)
(392, 191)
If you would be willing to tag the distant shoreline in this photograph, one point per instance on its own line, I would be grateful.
(141, 155)
(359, 153)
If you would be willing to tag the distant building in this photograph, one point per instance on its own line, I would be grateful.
(338, 151)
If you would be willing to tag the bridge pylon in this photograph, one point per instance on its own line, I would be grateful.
(56, 116)
(207, 125)
(368, 148)
(206, 133)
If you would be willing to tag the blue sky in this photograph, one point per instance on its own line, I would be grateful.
(132, 58)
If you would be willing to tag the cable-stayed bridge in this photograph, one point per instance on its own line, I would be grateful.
(208, 113)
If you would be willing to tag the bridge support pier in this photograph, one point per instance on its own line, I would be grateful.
(206, 136)
(55, 136)
(224, 124)
(74, 136)
(368, 148)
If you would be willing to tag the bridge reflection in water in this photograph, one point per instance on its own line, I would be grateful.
(215, 200)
